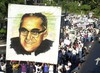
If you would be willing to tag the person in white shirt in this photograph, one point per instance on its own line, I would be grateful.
(60, 68)
(38, 68)
(51, 68)
(3, 67)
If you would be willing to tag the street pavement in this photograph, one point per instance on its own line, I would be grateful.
(2, 46)
(2, 42)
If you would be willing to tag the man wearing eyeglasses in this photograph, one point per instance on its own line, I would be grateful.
(32, 35)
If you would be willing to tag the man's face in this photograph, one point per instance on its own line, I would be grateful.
(29, 39)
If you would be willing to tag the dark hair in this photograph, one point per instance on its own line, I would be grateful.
(39, 15)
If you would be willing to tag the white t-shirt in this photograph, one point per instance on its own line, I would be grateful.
(59, 68)
(51, 69)
(67, 67)
(3, 67)
(38, 69)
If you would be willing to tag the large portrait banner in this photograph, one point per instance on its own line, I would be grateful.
(33, 33)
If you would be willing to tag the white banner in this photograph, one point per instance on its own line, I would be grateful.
(25, 36)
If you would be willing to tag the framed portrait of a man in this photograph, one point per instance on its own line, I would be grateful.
(33, 33)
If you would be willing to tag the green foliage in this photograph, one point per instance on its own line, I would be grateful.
(3, 30)
(85, 7)
(3, 9)
(71, 6)
(17, 1)
(97, 12)
(1, 16)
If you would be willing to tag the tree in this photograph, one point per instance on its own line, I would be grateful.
(67, 6)
(4, 7)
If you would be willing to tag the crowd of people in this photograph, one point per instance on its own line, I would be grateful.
(77, 34)
(2, 63)
(76, 39)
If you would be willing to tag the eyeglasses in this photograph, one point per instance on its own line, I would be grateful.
(34, 32)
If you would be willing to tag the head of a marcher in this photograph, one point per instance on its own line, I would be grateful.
(32, 31)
